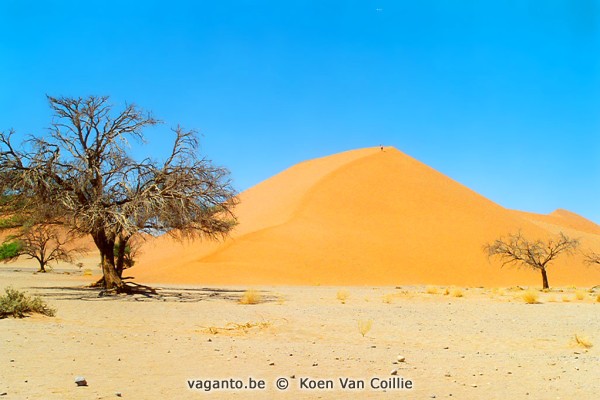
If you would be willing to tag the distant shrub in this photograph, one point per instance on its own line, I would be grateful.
(388, 298)
(10, 250)
(580, 295)
(598, 299)
(531, 297)
(250, 297)
(431, 290)
(457, 293)
(18, 304)
(364, 326)
(11, 222)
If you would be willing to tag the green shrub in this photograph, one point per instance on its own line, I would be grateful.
(18, 304)
(9, 250)
(11, 222)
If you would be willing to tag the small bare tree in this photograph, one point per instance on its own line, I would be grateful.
(592, 258)
(82, 174)
(44, 243)
(538, 254)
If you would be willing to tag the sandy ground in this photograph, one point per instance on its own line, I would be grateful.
(487, 344)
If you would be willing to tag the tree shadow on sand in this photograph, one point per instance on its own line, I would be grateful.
(142, 293)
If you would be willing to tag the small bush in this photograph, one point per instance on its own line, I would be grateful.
(11, 222)
(364, 326)
(580, 295)
(431, 290)
(457, 293)
(446, 292)
(18, 305)
(531, 297)
(598, 299)
(342, 295)
(250, 297)
(10, 250)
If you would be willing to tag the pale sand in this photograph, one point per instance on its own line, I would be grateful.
(480, 346)
(366, 217)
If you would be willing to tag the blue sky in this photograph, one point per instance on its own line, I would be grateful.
(502, 96)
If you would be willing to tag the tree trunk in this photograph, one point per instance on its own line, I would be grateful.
(545, 279)
(42, 267)
(111, 280)
(121, 246)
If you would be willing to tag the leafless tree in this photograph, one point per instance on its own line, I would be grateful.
(592, 258)
(538, 254)
(44, 243)
(83, 170)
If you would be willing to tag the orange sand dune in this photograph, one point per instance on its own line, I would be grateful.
(365, 217)
(562, 220)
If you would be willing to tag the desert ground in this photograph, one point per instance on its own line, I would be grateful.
(487, 344)
(366, 267)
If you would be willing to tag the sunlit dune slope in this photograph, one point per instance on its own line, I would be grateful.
(563, 220)
(364, 217)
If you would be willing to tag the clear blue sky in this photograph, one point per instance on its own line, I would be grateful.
(503, 96)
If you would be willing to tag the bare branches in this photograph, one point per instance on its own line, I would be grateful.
(44, 243)
(518, 250)
(592, 258)
(82, 175)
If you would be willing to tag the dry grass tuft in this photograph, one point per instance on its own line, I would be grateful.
(446, 292)
(566, 299)
(342, 295)
(364, 326)
(235, 328)
(582, 341)
(580, 295)
(388, 298)
(531, 297)
(598, 299)
(87, 272)
(280, 299)
(250, 297)
(456, 292)
(431, 290)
